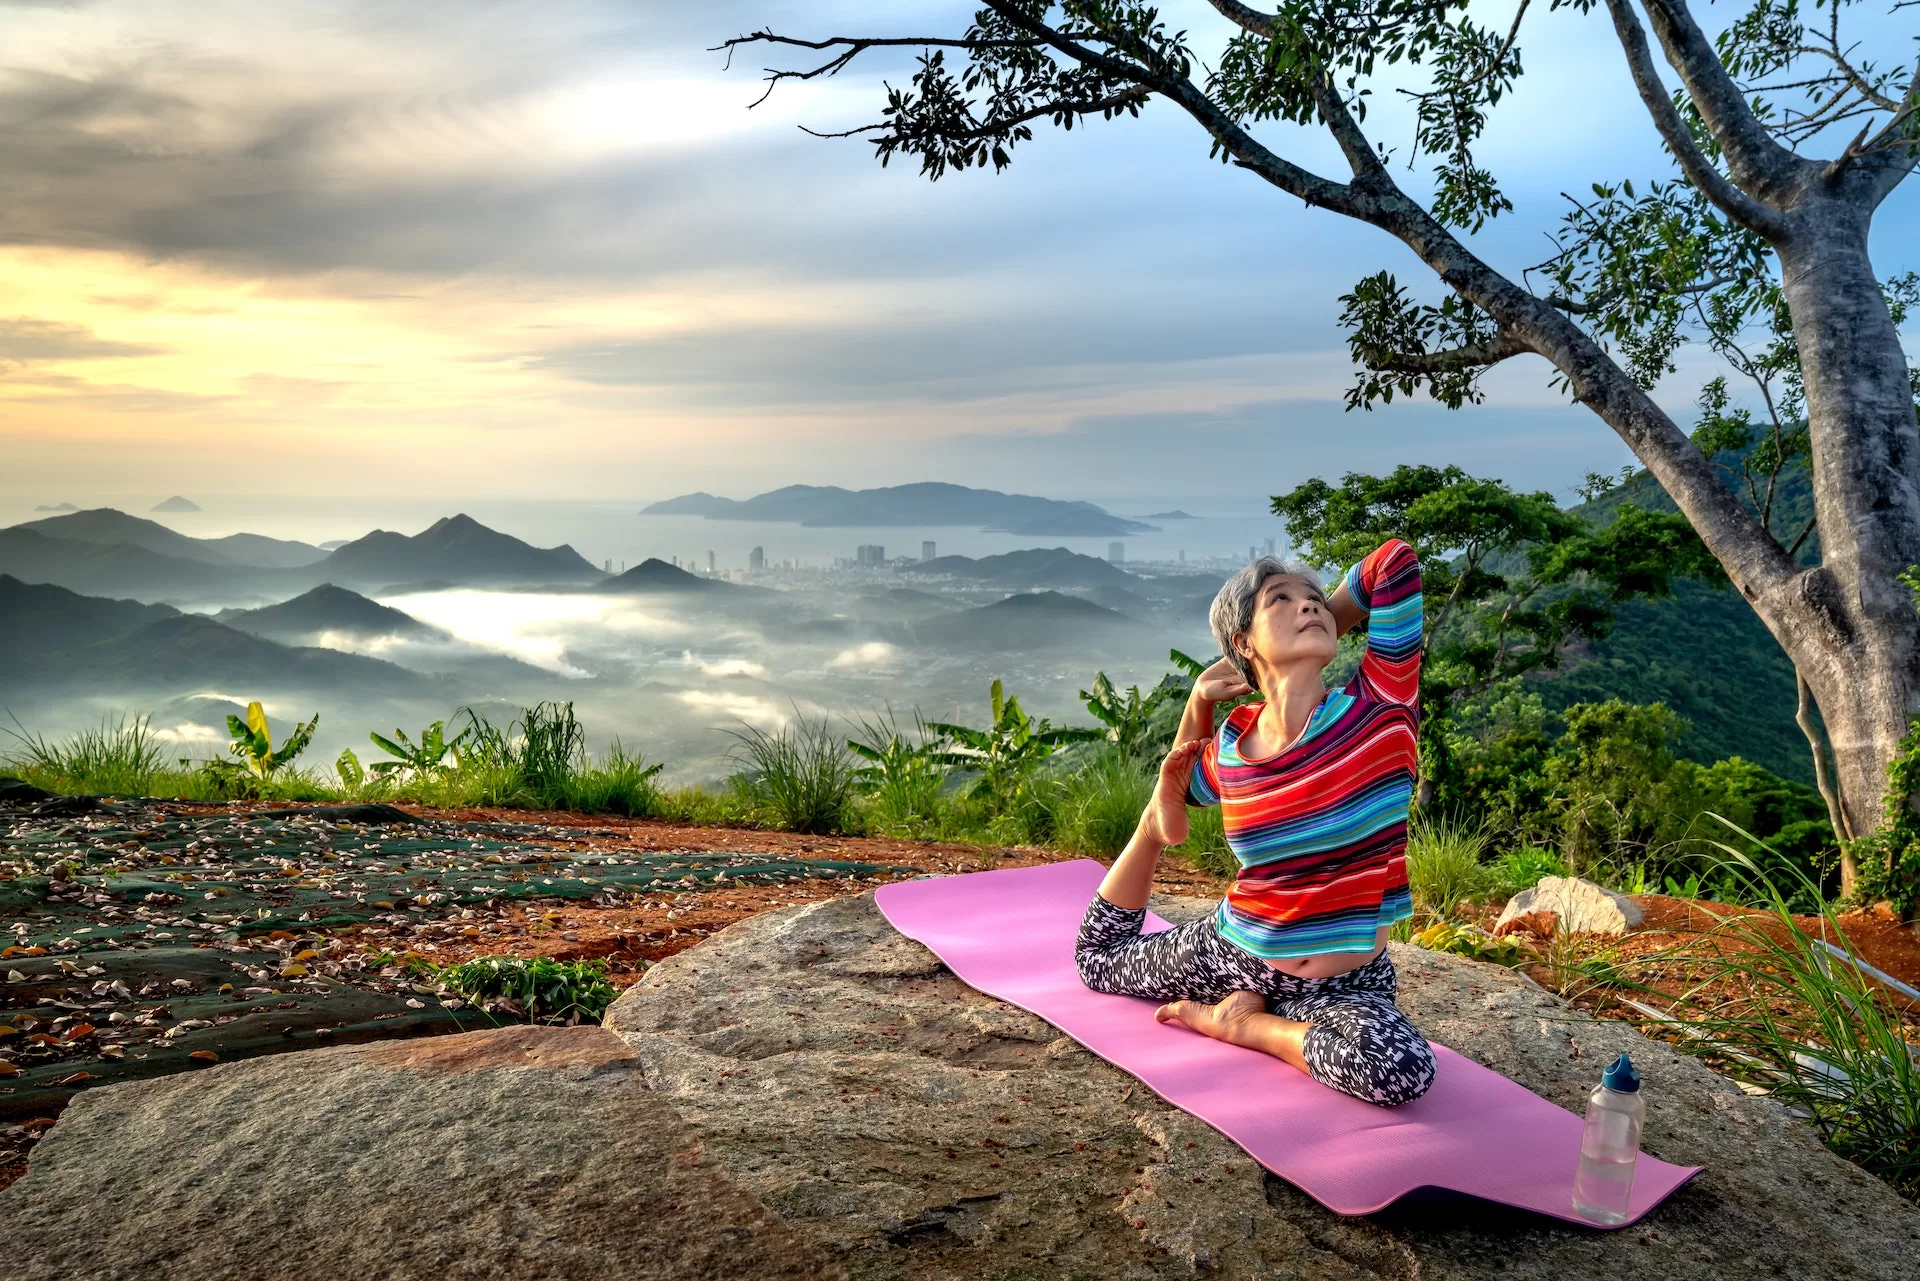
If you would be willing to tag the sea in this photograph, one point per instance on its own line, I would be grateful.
(1220, 534)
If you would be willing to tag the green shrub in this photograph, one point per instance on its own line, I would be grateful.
(799, 777)
(534, 988)
(1443, 864)
(1521, 869)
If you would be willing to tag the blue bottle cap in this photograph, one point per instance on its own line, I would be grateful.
(1620, 1076)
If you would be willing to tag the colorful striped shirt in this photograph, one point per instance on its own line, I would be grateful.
(1320, 827)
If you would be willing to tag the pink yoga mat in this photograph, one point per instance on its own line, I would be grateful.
(1010, 934)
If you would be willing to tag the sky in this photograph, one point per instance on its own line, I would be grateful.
(546, 250)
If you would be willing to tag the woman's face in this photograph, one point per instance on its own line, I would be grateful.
(1291, 624)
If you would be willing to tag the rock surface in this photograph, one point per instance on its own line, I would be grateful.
(810, 1094)
(918, 1129)
(1580, 906)
(515, 1153)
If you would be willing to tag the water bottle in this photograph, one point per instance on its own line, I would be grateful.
(1610, 1145)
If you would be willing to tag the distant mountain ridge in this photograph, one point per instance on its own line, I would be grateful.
(106, 525)
(1035, 621)
(455, 548)
(328, 609)
(44, 619)
(928, 503)
(1032, 567)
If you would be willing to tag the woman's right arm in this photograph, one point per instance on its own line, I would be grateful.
(1221, 683)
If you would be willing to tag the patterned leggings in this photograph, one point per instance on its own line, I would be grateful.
(1358, 1042)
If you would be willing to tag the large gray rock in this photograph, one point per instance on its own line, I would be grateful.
(918, 1129)
(1580, 906)
(810, 1094)
(518, 1153)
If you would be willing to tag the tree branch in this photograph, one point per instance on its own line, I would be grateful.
(1757, 162)
(1000, 124)
(1504, 345)
(1757, 217)
(850, 48)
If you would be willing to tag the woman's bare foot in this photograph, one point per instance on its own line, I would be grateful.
(1226, 1021)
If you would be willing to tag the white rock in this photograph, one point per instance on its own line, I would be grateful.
(1581, 906)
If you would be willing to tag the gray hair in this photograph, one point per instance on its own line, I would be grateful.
(1232, 611)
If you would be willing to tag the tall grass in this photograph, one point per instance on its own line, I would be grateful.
(1443, 864)
(1774, 1008)
(902, 778)
(799, 777)
(1206, 844)
(1098, 804)
(120, 758)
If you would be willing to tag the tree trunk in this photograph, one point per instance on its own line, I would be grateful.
(1848, 624)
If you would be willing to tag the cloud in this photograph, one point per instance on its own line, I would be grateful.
(29, 338)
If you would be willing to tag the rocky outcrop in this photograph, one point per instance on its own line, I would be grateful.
(809, 1093)
(1569, 905)
(520, 1153)
(918, 1129)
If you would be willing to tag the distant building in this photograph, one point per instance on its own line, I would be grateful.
(757, 560)
(1269, 547)
(1183, 556)
(1117, 552)
(1253, 553)
(926, 550)
(870, 554)
(609, 565)
(710, 563)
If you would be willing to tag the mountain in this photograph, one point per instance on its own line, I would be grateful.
(269, 553)
(176, 504)
(1033, 567)
(1176, 514)
(189, 652)
(1036, 620)
(105, 526)
(43, 619)
(56, 507)
(110, 569)
(918, 505)
(656, 575)
(1703, 652)
(328, 609)
(456, 549)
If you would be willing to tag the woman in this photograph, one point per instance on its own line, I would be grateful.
(1314, 786)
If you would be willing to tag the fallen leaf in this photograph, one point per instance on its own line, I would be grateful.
(414, 1003)
(75, 1078)
(79, 1030)
(294, 971)
(8, 1031)
(306, 954)
(8, 1069)
(204, 1056)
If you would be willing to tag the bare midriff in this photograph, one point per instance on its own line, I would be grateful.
(1328, 964)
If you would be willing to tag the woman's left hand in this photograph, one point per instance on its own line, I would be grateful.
(1169, 808)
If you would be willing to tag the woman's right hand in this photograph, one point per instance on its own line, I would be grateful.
(1221, 683)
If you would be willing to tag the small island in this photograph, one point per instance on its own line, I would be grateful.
(918, 505)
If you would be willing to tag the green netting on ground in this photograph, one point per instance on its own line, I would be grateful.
(167, 934)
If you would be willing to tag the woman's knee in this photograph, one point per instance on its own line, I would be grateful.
(1377, 1056)
(1096, 966)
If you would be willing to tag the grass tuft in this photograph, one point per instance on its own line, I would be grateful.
(799, 777)
(1443, 864)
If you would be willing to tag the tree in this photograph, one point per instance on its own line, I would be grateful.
(1750, 228)
(1511, 580)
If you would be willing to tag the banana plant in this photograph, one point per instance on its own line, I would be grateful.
(352, 777)
(1129, 717)
(253, 742)
(1009, 751)
(428, 756)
